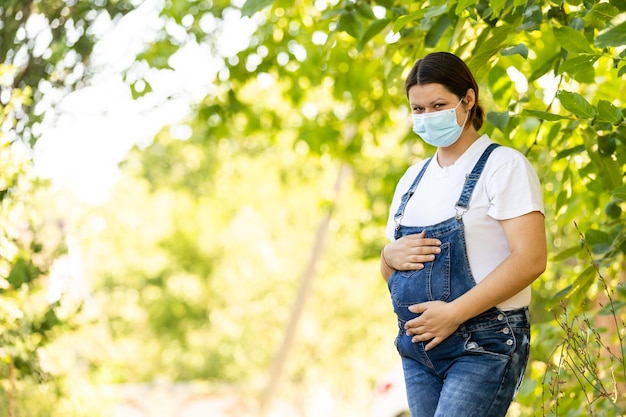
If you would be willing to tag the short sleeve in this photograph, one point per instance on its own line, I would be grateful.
(514, 188)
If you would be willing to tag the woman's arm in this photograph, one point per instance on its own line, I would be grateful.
(527, 242)
(407, 253)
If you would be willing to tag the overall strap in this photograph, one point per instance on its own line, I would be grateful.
(470, 181)
(405, 198)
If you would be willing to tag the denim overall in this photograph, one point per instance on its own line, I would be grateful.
(476, 370)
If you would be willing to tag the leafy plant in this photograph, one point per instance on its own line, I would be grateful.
(590, 360)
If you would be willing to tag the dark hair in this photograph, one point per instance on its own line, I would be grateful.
(450, 71)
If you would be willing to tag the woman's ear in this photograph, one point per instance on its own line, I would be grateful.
(469, 99)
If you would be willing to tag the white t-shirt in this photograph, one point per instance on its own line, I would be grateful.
(508, 187)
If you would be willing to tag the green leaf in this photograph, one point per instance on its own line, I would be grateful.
(612, 36)
(578, 64)
(576, 104)
(600, 14)
(561, 199)
(463, 4)
(582, 283)
(485, 51)
(251, 7)
(402, 21)
(18, 274)
(598, 241)
(566, 253)
(532, 19)
(499, 120)
(564, 292)
(553, 134)
(620, 193)
(571, 40)
(365, 10)
(606, 145)
(613, 209)
(372, 30)
(607, 112)
(500, 85)
(437, 31)
(544, 65)
(519, 49)
(544, 115)
(570, 151)
(435, 11)
(608, 170)
(612, 308)
(49, 321)
(579, 287)
(351, 25)
(497, 6)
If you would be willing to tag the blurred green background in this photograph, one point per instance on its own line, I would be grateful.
(194, 193)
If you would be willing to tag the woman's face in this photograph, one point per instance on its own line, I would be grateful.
(427, 98)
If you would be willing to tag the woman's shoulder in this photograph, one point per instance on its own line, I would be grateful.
(504, 154)
(508, 165)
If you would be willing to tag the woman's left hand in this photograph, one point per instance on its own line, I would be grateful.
(436, 322)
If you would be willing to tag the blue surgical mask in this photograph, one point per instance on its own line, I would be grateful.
(438, 128)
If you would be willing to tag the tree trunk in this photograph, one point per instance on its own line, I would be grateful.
(303, 290)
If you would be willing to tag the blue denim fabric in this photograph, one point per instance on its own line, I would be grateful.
(435, 281)
(476, 370)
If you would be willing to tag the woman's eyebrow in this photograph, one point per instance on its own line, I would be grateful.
(433, 101)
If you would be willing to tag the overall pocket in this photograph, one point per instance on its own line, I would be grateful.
(497, 338)
(439, 276)
(429, 284)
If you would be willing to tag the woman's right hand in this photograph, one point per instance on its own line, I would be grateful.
(411, 252)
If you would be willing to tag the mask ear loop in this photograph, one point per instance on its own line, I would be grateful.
(467, 112)
(470, 110)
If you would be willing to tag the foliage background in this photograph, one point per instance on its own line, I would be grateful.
(194, 263)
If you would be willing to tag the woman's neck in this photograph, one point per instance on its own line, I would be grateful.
(448, 156)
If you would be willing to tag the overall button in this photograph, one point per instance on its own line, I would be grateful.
(500, 317)
(506, 330)
(509, 342)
